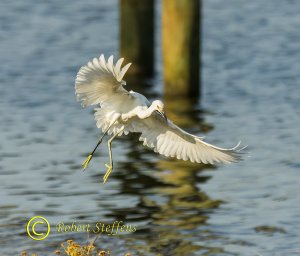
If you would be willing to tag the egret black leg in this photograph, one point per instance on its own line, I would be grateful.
(110, 166)
(90, 156)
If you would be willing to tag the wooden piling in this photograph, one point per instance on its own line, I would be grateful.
(181, 47)
(137, 35)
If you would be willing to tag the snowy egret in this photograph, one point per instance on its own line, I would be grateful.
(100, 82)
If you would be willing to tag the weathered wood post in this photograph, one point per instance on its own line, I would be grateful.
(181, 47)
(137, 35)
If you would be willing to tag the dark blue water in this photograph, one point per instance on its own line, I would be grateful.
(251, 67)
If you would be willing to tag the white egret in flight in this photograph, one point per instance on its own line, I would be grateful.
(119, 112)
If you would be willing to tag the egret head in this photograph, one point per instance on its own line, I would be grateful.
(159, 108)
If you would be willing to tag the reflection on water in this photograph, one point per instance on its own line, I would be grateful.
(251, 92)
(185, 112)
(171, 204)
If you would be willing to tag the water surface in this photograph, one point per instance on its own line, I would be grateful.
(250, 93)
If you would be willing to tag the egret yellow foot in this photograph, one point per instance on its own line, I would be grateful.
(109, 169)
(86, 162)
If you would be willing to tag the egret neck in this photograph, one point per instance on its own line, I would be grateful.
(156, 106)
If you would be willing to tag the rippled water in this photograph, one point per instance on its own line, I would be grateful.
(251, 66)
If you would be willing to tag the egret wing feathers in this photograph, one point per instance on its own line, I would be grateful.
(169, 140)
(100, 82)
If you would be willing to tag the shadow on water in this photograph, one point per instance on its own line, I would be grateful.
(171, 204)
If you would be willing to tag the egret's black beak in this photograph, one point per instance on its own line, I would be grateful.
(162, 114)
(165, 117)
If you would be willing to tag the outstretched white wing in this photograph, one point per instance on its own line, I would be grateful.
(169, 140)
(100, 82)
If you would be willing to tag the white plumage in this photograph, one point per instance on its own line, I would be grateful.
(100, 82)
